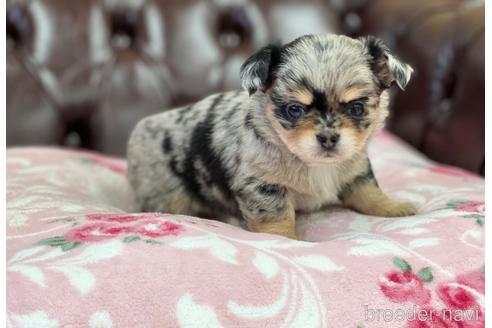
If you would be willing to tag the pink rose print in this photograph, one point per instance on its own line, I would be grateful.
(456, 297)
(451, 171)
(402, 287)
(107, 226)
(477, 320)
(156, 228)
(475, 280)
(429, 318)
(96, 232)
(109, 163)
(471, 207)
(112, 218)
(462, 307)
(446, 318)
(130, 228)
(123, 218)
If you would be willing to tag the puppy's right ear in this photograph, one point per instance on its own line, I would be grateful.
(257, 71)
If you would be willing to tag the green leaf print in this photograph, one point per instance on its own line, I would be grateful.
(402, 264)
(425, 274)
(53, 241)
(131, 239)
(70, 246)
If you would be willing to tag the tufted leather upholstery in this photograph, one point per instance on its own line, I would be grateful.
(82, 73)
(442, 112)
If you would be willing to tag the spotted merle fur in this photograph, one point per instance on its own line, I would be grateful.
(242, 154)
(182, 112)
(201, 149)
(270, 189)
(248, 123)
(167, 145)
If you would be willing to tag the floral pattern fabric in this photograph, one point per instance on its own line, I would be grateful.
(78, 255)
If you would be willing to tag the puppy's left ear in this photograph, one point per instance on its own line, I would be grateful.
(385, 65)
(257, 71)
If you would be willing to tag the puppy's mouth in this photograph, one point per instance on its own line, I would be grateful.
(325, 156)
(325, 152)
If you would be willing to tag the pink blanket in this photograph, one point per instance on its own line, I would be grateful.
(77, 258)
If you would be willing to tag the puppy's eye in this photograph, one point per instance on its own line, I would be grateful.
(356, 109)
(295, 111)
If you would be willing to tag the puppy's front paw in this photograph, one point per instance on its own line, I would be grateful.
(292, 235)
(288, 233)
(401, 209)
(284, 228)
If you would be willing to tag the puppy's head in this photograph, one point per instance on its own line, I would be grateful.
(326, 94)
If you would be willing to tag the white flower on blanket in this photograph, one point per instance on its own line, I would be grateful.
(193, 315)
(29, 263)
(297, 291)
(265, 264)
(318, 262)
(100, 319)
(40, 319)
(218, 247)
(269, 267)
(373, 246)
(17, 220)
(29, 320)
(304, 308)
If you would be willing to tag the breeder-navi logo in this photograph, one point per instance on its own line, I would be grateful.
(419, 314)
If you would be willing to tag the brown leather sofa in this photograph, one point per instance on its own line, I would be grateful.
(82, 73)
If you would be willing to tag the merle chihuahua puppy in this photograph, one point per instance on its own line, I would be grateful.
(295, 139)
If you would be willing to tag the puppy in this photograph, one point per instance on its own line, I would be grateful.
(295, 140)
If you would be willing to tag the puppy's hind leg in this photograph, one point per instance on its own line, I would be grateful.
(181, 202)
(175, 201)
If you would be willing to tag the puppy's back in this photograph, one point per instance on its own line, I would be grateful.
(158, 151)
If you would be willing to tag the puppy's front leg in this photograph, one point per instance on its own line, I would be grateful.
(266, 208)
(365, 196)
(284, 225)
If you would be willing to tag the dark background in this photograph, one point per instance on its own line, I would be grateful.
(82, 73)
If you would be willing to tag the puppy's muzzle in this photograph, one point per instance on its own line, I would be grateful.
(328, 141)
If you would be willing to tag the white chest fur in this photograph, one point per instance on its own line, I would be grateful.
(324, 184)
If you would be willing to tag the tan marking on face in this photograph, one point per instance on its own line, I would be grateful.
(304, 129)
(302, 140)
(303, 96)
(353, 93)
(359, 136)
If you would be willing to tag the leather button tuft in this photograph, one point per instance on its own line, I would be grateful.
(123, 27)
(18, 25)
(234, 27)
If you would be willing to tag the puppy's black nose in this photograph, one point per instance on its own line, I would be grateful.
(328, 141)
